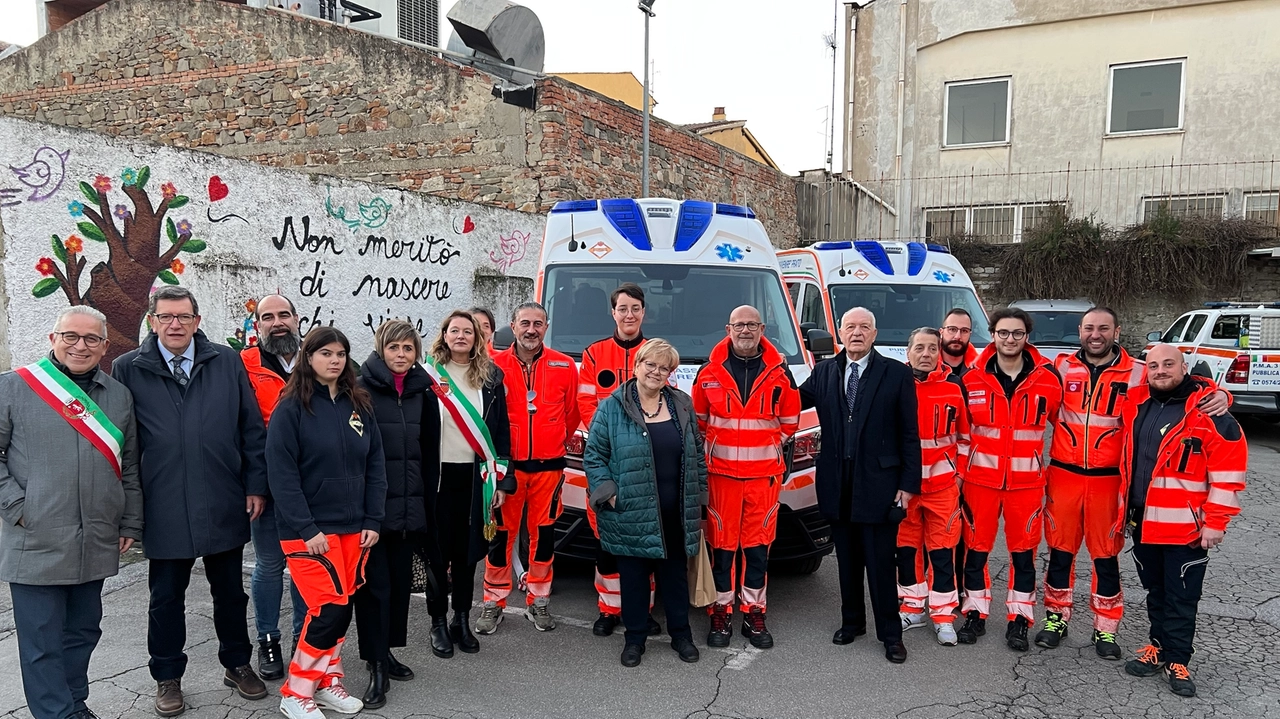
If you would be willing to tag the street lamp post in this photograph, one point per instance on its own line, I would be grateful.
(646, 7)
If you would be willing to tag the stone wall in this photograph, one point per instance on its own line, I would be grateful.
(350, 254)
(285, 90)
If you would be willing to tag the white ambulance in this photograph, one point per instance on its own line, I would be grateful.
(906, 285)
(696, 262)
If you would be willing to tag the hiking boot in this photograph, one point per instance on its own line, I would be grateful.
(1016, 635)
(270, 660)
(755, 631)
(335, 697)
(946, 633)
(605, 624)
(1055, 630)
(169, 702)
(1149, 662)
(540, 614)
(489, 619)
(974, 627)
(246, 682)
(1104, 643)
(1180, 680)
(911, 620)
(721, 626)
(300, 708)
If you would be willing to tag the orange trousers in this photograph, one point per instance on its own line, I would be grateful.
(933, 522)
(538, 493)
(326, 582)
(1084, 508)
(742, 515)
(1022, 510)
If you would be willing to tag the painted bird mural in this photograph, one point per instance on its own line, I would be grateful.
(44, 174)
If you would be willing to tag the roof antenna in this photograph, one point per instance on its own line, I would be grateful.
(573, 240)
(842, 272)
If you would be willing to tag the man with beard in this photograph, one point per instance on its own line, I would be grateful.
(541, 425)
(957, 352)
(269, 364)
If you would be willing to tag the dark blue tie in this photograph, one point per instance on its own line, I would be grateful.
(851, 391)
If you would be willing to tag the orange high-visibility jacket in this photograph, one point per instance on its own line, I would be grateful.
(606, 366)
(744, 439)
(1006, 436)
(1087, 436)
(267, 385)
(1199, 472)
(944, 429)
(552, 377)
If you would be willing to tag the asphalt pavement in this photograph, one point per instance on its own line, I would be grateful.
(568, 672)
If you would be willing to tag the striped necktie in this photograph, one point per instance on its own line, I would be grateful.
(851, 391)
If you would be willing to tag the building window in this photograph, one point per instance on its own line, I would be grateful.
(994, 224)
(419, 21)
(997, 224)
(977, 113)
(1263, 207)
(1146, 97)
(1205, 206)
(945, 223)
(1034, 215)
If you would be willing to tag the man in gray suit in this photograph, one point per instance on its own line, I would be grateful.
(70, 505)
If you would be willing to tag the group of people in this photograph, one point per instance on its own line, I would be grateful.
(346, 473)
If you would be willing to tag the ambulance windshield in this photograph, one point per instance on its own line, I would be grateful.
(899, 309)
(686, 305)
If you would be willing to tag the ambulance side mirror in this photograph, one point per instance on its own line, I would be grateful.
(820, 343)
(1153, 336)
(503, 338)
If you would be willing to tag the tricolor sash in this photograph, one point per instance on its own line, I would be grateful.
(73, 405)
(471, 423)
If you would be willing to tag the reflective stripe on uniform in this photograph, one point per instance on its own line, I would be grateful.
(939, 443)
(982, 459)
(742, 424)
(1188, 485)
(730, 452)
(1171, 515)
(1226, 477)
(1223, 497)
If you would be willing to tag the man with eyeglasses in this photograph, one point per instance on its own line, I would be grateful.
(541, 426)
(269, 363)
(1013, 394)
(747, 406)
(958, 352)
(201, 439)
(70, 505)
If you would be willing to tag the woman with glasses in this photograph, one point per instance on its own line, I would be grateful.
(647, 480)
(475, 448)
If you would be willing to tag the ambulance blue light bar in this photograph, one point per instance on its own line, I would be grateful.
(735, 211)
(628, 220)
(833, 246)
(938, 248)
(573, 206)
(875, 254)
(916, 254)
(695, 218)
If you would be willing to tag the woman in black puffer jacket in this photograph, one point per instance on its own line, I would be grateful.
(398, 386)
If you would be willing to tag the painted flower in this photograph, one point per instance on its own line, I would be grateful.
(129, 176)
(102, 183)
(184, 227)
(177, 267)
(74, 244)
(251, 306)
(168, 191)
(76, 208)
(46, 266)
(122, 212)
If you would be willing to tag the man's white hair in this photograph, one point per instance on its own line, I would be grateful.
(851, 310)
(81, 310)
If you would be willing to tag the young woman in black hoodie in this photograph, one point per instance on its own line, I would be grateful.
(325, 465)
(408, 417)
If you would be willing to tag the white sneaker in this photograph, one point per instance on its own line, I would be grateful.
(296, 708)
(946, 634)
(335, 697)
(911, 621)
(489, 619)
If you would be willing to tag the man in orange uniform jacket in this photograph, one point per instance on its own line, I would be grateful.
(607, 365)
(542, 403)
(933, 516)
(1012, 394)
(747, 406)
(1182, 472)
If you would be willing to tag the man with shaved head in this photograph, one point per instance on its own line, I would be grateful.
(747, 407)
(1182, 472)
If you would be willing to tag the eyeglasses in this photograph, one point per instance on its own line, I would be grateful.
(1006, 334)
(529, 397)
(953, 330)
(167, 319)
(652, 367)
(71, 339)
(749, 326)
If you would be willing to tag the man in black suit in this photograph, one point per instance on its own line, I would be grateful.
(869, 467)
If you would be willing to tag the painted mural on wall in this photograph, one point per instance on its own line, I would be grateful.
(89, 219)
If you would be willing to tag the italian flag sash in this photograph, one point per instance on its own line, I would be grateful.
(73, 404)
(471, 422)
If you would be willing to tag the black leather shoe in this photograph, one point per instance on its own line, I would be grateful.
(396, 670)
(270, 660)
(845, 635)
(375, 696)
(605, 624)
(687, 651)
(654, 627)
(441, 642)
(895, 652)
(460, 632)
(631, 655)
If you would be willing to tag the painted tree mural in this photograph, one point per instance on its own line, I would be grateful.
(120, 286)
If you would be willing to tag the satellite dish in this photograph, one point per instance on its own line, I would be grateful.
(496, 31)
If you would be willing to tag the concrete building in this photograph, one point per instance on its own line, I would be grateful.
(975, 116)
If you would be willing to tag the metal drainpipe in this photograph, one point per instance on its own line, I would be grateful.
(850, 86)
(902, 101)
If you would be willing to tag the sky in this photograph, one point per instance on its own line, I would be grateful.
(764, 61)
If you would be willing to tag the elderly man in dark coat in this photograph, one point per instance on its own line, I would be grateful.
(202, 440)
(70, 504)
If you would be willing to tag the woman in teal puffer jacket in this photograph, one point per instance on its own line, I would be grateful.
(647, 480)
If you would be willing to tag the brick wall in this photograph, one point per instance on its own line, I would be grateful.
(289, 91)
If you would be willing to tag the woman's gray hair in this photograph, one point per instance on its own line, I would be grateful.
(85, 310)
